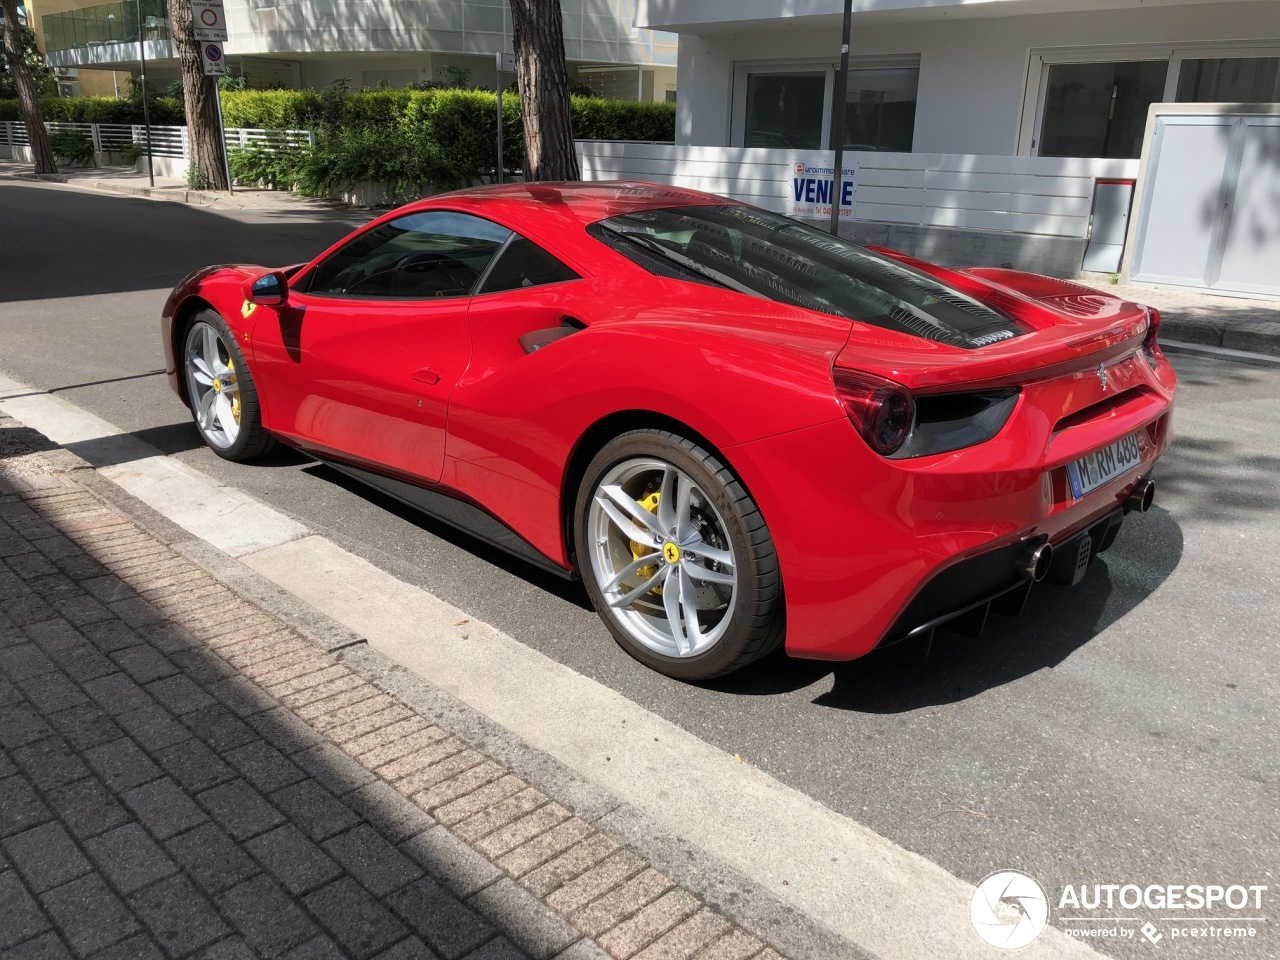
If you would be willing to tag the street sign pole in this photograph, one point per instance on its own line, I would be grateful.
(142, 79)
(839, 107)
(222, 134)
(506, 63)
(209, 27)
(498, 63)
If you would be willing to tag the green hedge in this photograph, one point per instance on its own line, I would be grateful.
(165, 111)
(410, 139)
(593, 118)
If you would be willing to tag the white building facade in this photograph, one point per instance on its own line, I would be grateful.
(1011, 77)
(368, 43)
(996, 130)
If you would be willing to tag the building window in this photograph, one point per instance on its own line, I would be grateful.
(1230, 80)
(880, 109)
(785, 110)
(1099, 109)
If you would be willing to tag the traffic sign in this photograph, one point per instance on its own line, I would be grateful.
(209, 21)
(215, 65)
(506, 62)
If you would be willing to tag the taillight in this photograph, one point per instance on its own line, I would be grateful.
(881, 410)
(1149, 345)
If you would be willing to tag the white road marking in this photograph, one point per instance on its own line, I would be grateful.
(230, 520)
(888, 900)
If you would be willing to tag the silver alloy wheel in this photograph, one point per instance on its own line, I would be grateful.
(212, 385)
(669, 575)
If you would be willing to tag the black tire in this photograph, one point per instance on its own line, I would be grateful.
(252, 440)
(756, 621)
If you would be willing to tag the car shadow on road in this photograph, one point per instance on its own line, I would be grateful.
(571, 591)
(1056, 622)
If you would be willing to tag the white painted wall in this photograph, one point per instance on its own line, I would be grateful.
(1045, 196)
(973, 72)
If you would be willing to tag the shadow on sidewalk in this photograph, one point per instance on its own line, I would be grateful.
(151, 796)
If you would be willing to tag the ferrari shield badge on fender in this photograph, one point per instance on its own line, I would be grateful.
(247, 308)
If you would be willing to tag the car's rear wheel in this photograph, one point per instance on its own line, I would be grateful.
(220, 390)
(676, 557)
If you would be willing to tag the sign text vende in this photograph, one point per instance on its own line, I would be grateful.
(812, 185)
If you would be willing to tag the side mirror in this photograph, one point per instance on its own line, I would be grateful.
(269, 290)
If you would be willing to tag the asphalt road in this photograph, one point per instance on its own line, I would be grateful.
(1123, 732)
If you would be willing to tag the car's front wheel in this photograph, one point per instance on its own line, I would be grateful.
(676, 557)
(221, 391)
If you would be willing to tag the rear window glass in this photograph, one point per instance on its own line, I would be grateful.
(765, 255)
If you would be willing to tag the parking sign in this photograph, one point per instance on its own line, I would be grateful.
(215, 64)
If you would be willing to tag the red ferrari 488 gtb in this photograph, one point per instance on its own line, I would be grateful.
(739, 431)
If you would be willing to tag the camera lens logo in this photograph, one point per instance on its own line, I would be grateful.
(1009, 909)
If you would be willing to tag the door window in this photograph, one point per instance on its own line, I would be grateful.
(436, 253)
(1230, 80)
(1099, 109)
(880, 109)
(785, 110)
(523, 263)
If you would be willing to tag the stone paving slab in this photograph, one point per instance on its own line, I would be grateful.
(184, 775)
(1216, 320)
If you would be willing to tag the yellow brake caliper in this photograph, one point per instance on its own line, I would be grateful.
(235, 401)
(638, 550)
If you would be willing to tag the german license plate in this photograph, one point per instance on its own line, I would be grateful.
(1092, 471)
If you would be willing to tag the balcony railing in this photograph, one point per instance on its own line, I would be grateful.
(105, 23)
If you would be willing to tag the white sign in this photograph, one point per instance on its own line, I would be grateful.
(209, 21)
(506, 62)
(215, 63)
(811, 184)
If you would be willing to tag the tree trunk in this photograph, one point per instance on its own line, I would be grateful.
(199, 95)
(538, 30)
(27, 96)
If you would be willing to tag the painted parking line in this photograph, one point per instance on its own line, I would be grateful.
(891, 902)
(223, 516)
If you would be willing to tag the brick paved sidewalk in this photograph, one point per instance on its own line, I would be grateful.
(181, 774)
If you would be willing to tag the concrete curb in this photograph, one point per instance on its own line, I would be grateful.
(1251, 337)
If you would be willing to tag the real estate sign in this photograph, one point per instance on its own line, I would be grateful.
(811, 185)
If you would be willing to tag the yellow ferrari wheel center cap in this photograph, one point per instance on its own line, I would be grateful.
(671, 552)
(217, 386)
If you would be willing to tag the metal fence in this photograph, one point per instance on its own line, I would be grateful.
(165, 141)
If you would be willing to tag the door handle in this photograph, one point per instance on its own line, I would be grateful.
(427, 375)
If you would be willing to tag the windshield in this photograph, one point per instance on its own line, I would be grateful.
(762, 254)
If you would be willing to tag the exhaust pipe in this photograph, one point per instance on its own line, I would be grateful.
(1141, 496)
(1034, 562)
